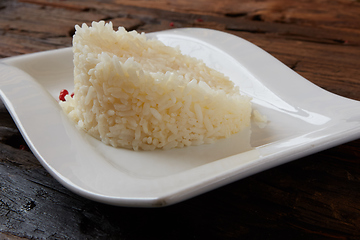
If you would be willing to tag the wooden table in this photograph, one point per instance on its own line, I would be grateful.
(316, 197)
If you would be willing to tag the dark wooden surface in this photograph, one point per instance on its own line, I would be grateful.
(316, 197)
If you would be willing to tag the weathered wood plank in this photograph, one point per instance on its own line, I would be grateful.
(338, 13)
(31, 28)
(273, 201)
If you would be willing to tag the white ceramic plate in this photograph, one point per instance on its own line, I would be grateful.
(303, 119)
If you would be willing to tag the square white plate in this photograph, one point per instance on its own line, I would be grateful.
(303, 119)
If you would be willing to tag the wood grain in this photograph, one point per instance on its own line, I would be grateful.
(316, 197)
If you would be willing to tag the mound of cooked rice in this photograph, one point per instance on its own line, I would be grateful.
(137, 93)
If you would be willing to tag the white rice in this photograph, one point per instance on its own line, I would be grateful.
(137, 93)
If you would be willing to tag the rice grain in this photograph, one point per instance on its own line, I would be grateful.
(135, 92)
